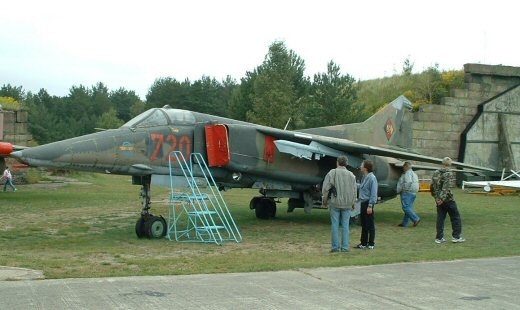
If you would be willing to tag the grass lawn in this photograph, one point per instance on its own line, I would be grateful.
(87, 230)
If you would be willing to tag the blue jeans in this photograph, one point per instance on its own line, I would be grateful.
(337, 216)
(10, 183)
(407, 200)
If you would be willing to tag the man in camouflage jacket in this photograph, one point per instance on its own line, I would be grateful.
(442, 181)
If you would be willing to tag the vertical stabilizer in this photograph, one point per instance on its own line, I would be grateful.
(390, 126)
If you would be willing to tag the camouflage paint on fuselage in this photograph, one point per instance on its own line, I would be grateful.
(143, 146)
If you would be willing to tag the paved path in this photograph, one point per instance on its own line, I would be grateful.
(492, 283)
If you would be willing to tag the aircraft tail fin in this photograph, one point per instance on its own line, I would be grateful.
(390, 127)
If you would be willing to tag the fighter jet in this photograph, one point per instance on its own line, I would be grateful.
(280, 163)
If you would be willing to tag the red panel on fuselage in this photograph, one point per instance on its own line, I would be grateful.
(217, 145)
(270, 149)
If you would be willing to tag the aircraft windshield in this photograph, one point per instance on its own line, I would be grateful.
(156, 117)
(151, 118)
(180, 117)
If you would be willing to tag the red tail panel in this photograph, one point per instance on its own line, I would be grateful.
(217, 145)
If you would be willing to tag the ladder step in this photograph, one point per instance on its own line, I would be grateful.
(180, 197)
(203, 228)
(202, 212)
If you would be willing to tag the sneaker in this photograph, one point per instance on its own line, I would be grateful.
(401, 225)
(334, 251)
(416, 222)
(371, 247)
(360, 246)
(440, 240)
(458, 240)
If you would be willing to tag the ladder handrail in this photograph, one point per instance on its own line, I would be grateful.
(196, 199)
(221, 203)
(204, 204)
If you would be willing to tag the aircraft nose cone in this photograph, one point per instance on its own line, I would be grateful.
(43, 156)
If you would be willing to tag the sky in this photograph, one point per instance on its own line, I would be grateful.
(57, 44)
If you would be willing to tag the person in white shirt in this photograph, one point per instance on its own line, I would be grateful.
(407, 187)
(8, 179)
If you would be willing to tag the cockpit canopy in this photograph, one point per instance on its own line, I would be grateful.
(161, 117)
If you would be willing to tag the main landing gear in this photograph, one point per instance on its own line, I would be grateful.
(265, 207)
(148, 225)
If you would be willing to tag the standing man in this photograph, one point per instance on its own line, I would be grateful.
(368, 199)
(8, 179)
(441, 190)
(341, 203)
(407, 187)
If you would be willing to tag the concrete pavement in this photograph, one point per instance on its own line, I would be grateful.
(491, 283)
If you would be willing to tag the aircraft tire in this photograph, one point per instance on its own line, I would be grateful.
(254, 202)
(265, 208)
(139, 228)
(155, 227)
(272, 208)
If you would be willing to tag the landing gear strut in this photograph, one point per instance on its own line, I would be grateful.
(148, 225)
(265, 207)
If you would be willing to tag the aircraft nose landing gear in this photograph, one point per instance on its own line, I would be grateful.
(149, 225)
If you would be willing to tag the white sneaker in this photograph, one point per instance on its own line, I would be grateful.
(440, 240)
(457, 240)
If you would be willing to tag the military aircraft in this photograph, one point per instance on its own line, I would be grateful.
(280, 163)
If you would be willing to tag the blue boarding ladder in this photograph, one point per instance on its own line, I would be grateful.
(199, 214)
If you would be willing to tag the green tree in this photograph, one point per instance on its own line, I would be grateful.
(137, 108)
(205, 95)
(123, 100)
(169, 91)
(241, 100)
(100, 101)
(109, 120)
(333, 97)
(78, 102)
(43, 122)
(16, 92)
(429, 85)
(407, 66)
(279, 88)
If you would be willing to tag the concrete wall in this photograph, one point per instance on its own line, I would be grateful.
(14, 127)
(491, 135)
(494, 137)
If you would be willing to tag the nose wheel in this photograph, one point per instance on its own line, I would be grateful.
(149, 225)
